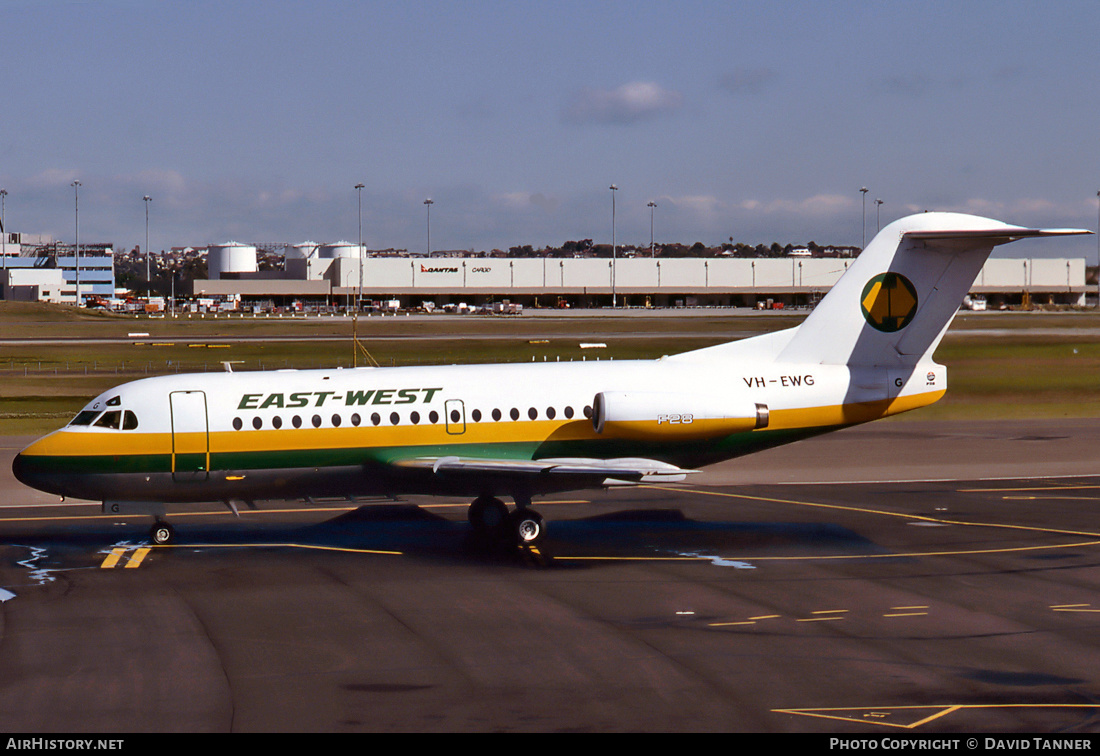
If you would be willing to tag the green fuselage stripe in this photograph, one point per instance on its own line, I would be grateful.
(686, 454)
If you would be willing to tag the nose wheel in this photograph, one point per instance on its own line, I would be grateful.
(162, 533)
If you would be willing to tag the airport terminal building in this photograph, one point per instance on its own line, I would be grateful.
(33, 268)
(329, 275)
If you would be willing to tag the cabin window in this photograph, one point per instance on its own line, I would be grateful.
(414, 418)
(237, 424)
(588, 412)
(85, 417)
(569, 412)
(476, 415)
(316, 421)
(496, 415)
(551, 412)
(335, 421)
(514, 414)
(375, 418)
(433, 416)
(395, 418)
(277, 422)
(532, 413)
(296, 421)
(257, 423)
(112, 419)
(355, 419)
(129, 420)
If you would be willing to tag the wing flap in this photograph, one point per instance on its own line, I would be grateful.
(622, 470)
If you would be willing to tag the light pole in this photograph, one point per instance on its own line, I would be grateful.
(878, 223)
(614, 298)
(428, 204)
(3, 233)
(651, 206)
(864, 192)
(359, 294)
(76, 245)
(148, 284)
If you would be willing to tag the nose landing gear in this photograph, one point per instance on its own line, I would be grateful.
(162, 533)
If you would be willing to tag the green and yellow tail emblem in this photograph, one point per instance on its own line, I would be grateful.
(889, 302)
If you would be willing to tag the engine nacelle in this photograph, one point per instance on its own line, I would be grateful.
(655, 416)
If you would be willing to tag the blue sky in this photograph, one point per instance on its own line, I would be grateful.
(253, 121)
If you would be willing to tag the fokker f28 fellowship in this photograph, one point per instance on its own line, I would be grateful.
(521, 430)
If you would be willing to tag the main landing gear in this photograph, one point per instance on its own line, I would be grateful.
(490, 515)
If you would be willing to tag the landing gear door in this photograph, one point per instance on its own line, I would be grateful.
(190, 436)
(455, 411)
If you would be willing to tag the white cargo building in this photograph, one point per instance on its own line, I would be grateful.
(332, 273)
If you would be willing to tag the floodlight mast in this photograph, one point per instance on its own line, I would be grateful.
(614, 298)
(148, 283)
(76, 240)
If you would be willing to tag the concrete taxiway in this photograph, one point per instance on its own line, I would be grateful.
(938, 577)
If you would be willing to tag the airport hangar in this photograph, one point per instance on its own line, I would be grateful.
(329, 275)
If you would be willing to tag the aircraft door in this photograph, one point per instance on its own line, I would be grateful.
(190, 435)
(455, 412)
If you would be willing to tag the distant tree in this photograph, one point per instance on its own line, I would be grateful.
(576, 247)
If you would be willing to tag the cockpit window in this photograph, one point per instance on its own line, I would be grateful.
(112, 419)
(129, 420)
(85, 417)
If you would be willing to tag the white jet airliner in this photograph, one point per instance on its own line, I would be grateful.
(520, 430)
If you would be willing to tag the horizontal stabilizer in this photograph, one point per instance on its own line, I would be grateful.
(1006, 234)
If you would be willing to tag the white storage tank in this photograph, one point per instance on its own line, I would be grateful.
(338, 250)
(230, 257)
(301, 251)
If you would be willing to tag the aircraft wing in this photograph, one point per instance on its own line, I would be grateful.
(591, 471)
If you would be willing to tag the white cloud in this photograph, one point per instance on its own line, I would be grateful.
(630, 103)
(817, 206)
(525, 200)
(747, 80)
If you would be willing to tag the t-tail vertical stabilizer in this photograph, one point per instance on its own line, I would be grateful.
(893, 305)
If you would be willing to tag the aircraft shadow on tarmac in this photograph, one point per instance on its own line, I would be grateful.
(653, 533)
(415, 532)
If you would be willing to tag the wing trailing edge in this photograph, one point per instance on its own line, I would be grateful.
(622, 470)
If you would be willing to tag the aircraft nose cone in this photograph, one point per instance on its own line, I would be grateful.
(17, 468)
(27, 471)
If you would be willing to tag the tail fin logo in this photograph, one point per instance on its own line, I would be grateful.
(889, 302)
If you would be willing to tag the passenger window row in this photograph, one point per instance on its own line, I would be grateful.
(413, 418)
